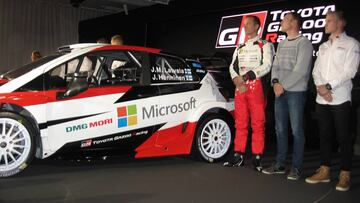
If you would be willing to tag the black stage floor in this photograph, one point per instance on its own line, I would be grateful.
(171, 179)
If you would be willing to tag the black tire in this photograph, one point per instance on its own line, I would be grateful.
(220, 140)
(17, 144)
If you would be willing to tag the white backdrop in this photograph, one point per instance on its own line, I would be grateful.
(43, 25)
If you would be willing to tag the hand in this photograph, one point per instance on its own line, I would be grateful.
(278, 89)
(322, 90)
(328, 97)
(238, 81)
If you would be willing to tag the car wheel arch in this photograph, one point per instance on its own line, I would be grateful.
(215, 110)
(13, 108)
(218, 110)
(208, 108)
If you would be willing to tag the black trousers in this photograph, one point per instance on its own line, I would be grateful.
(335, 119)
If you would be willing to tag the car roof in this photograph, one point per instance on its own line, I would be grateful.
(104, 47)
(127, 47)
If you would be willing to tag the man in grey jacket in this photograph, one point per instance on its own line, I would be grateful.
(290, 75)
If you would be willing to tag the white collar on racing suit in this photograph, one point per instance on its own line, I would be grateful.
(256, 38)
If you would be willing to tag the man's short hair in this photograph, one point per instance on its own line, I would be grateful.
(297, 18)
(339, 14)
(35, 55)
(117, 38)
(256, 20)
(102, 40)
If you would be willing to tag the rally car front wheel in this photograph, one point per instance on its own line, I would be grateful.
(213, 138)
(16, 143)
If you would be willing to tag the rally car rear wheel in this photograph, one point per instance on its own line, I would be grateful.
(16, 143)
(213, 138)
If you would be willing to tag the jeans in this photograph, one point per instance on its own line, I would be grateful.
(290, 105)
(335, 118)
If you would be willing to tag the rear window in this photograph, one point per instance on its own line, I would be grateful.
(165, 69)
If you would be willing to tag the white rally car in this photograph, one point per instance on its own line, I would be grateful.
(123, 98)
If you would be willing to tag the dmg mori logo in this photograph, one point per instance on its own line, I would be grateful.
(232, 32)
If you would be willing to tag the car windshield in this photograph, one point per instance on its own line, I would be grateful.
(12, 74)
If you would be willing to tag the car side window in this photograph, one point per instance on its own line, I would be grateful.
(36, 84)
(91, 64)
(120, 68)
(167, 69)
(57, 77)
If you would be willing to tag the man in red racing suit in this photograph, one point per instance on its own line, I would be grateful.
(250, 62)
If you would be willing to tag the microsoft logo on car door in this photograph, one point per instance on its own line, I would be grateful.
(127, 116)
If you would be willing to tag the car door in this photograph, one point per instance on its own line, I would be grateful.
(178, 99)
(106, 115)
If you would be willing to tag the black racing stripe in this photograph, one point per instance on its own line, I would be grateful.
(178, 88)
(141, 92)
(241, 46)
(64, 120)
(236, 65)
(126, 145)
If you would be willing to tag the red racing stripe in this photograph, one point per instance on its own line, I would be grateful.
(3, 81)
(170, 141)
(125, 47)
(40, 97)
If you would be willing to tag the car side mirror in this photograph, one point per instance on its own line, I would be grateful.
(77, 85)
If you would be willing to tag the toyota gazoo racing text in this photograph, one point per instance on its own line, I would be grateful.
(121, 98)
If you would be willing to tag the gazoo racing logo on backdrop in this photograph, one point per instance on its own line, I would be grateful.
(312, 26)
(232, 32)
(127, 116)
(155, 111)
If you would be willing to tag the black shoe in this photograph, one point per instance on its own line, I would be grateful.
(295, 174)
(235, 161)
(274, 169)
(257, 163)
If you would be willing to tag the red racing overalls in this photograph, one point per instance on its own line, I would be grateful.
(251, 60)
